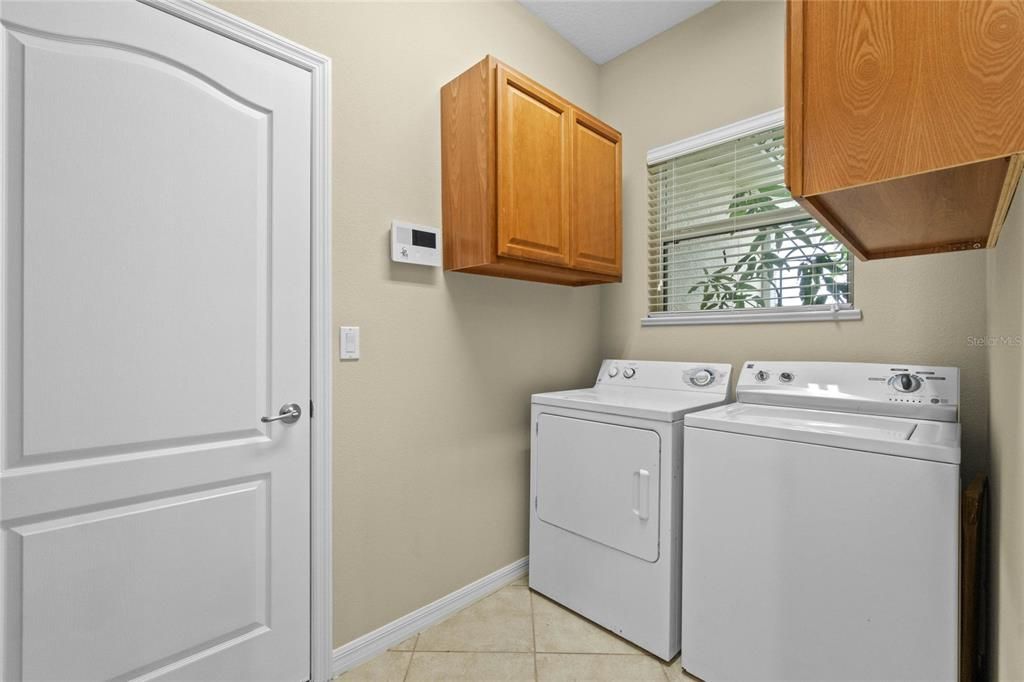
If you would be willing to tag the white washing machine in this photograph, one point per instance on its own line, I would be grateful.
(821, 525)
(605, 495)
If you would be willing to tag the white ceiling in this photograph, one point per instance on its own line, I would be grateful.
(604, 29)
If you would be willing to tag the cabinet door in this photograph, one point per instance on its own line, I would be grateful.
(888, 89)
(596, 215)
(533, 171)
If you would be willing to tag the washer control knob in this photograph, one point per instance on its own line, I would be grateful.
(613, 371)
(905, 382)
(702, 377)
(629, 373)
(761, 375)
(786, 377)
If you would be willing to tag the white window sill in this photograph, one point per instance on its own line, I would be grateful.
(750, 317)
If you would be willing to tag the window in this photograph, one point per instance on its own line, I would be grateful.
(727, 242)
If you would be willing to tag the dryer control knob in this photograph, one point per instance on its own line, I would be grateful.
(613, 371)
(761, 375)
(786, 377)
(702, 378)
(629, 372)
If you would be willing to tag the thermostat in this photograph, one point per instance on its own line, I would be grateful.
(416, 244)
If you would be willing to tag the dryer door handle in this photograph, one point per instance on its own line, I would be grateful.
(642, 494)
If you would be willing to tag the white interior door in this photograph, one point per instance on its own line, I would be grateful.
(155, 304)
(600, 481)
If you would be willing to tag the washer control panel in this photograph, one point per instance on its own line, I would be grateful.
(712, 377)
(893, 389)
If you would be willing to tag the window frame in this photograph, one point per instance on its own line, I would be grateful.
(809, 313)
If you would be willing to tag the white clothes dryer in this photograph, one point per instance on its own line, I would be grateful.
(605, 495)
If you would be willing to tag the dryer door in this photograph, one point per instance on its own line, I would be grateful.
(600, 481)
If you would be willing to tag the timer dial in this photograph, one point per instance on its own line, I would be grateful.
(702, 378)
(905, 382)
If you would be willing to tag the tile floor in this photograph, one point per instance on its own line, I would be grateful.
(515, 634)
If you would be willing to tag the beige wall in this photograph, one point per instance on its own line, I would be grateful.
(723, 65)
(1006, 326)
(431, 426)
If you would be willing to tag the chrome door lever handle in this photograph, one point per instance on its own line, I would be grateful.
(289, 414)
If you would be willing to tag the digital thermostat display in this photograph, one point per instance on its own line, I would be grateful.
(427, 239)
(416, 244)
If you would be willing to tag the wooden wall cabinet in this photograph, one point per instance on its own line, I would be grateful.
(904, 126)
(531, 185)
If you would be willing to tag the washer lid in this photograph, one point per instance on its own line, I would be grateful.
(917, 438)
(642, 403)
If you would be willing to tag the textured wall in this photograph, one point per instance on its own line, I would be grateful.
(431, 427)
(1006, 327)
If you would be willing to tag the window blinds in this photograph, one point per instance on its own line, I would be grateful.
(725, 234)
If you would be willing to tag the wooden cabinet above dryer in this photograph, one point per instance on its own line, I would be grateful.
(531, 184)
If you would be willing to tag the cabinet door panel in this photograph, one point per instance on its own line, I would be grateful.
(894, 88)
(596, 199)
(533, 171)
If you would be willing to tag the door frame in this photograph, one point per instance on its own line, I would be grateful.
(321, 339)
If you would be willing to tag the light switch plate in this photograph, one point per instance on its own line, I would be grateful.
(348, 340)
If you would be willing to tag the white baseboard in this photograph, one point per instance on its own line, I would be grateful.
(360, 650)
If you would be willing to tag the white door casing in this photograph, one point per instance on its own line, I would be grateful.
(160, 198)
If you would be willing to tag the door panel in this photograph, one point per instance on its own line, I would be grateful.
(600, 481)
(596, 207)
(219, 588)
(155, 306)
(152, 239)
(533, 178)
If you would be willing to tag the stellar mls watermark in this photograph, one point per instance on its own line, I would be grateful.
(995, 341)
